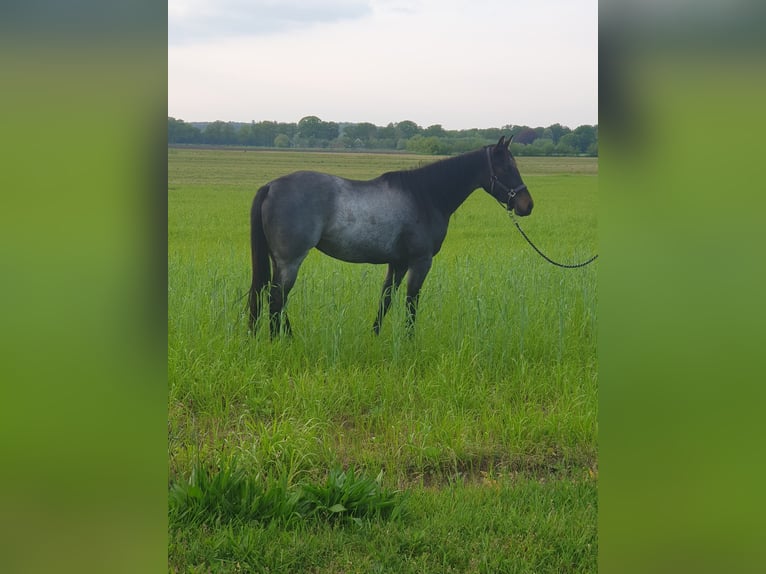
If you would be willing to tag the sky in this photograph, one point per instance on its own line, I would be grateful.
(458, 63)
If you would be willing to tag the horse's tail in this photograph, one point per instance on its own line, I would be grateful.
(260, 256)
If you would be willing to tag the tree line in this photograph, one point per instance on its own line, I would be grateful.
(312, 132)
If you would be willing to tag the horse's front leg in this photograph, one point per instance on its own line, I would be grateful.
(390, 285)
(415, 277)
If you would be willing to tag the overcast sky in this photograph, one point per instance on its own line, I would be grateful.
(458, 63)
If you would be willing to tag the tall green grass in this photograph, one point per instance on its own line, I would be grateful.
(494, 396)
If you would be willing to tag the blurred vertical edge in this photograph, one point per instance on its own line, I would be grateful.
(681, 286)
(83, 291)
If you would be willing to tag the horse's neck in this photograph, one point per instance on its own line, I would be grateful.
(461, 179)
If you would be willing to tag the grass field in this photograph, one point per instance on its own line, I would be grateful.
(470, 447)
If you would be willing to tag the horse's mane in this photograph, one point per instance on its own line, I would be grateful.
(438, 181)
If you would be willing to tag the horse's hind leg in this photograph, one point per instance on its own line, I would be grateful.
(278, 316)
(390, 285)
(285, 275)
(415, 278)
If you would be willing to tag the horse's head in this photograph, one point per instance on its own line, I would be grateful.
(504, 182)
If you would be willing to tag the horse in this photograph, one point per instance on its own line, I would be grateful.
(399, 219)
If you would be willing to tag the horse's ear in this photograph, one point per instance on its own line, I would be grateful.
(500, 142)
(508, 143)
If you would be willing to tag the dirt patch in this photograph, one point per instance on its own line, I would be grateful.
(486, 470)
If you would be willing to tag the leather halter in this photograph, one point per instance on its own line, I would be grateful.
(494, 180)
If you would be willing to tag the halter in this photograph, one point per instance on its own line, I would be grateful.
(494, 180)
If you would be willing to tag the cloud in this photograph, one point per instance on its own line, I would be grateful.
(397, 6)
(192, 21)
(459, 63)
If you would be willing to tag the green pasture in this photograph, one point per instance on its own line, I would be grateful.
(469, 447)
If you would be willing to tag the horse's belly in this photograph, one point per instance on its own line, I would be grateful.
(361, 247)
(364, 236)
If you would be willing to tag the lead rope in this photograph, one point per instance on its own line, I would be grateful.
(543, 255)
(493, 180)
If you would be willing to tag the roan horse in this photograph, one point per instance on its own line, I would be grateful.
(399, 218)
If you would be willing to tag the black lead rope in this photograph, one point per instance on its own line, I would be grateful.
(493, 181)
(543, 255)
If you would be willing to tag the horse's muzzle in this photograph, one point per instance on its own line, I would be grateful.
(522, 210)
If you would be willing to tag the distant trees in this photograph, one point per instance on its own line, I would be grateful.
(220, 133)
(181, 132)
(313, 132)
(364, 132)
(261, 134)
(282, 141)
(525, 136)
(428, 145)
(407, 129)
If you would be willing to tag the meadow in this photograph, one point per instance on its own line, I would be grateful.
(470, 446)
